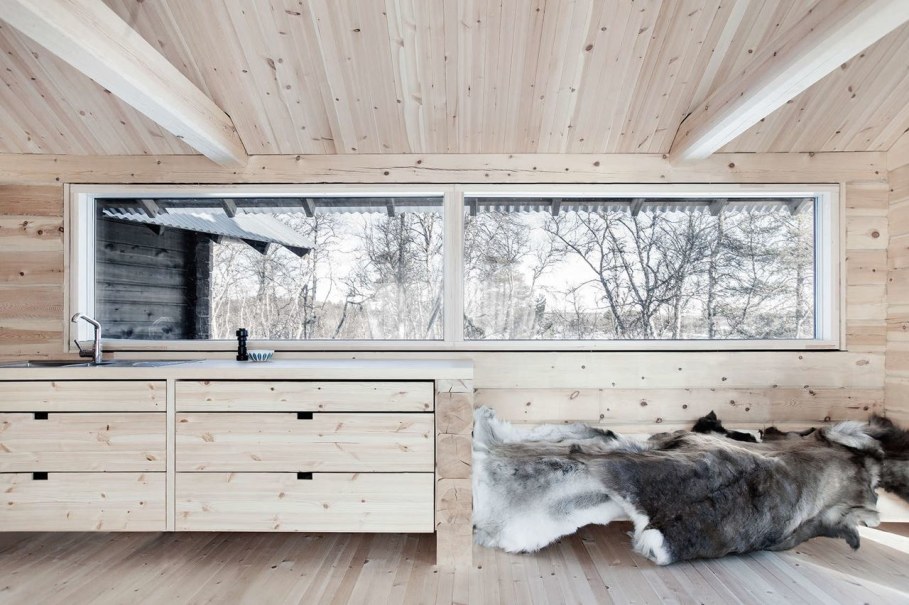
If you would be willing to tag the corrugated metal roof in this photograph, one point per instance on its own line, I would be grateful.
(392, 206)
(245, 227)
(320, 205)
(635, 205)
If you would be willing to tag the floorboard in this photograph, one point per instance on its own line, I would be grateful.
(594, 566)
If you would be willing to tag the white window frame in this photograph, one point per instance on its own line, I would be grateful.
(829, 263)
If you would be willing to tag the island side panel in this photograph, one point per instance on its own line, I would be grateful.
(454, 495)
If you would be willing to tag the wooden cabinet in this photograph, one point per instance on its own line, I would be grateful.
(83, 396)
(82, 502)
(303, 396)
(330, 502)
(82, 441)
(338, 442)
(331, 445)
(83, 455)
(305, 456)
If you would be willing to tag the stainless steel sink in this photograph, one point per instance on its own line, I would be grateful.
(45, 363)
(114, 363)
(146, 363)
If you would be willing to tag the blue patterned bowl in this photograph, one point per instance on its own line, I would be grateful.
(260, 354)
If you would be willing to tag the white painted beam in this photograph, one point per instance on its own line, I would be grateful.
(92, 38)
(791, 63)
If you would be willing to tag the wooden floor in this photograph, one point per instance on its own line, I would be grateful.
(595, 566)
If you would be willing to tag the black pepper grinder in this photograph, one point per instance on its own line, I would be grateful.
(242, 354)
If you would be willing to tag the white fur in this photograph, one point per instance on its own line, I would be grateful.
(646, 541)
(530, 526)
(853, 434)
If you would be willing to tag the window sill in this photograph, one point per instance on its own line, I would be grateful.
(472, 346)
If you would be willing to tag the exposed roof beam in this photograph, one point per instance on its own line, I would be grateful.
(92, 38)
(556, 206)
(716, 206)
(636, 205)
(309, 207)
(791, 63)
(390, 208)
(301, 252)
(797, 206)
(150, 208)
(230, 208)
(259, 246)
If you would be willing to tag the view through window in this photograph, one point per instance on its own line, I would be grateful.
(533, 268)
(301, 269)
(588, 269)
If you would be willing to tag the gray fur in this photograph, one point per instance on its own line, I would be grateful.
(690, 495)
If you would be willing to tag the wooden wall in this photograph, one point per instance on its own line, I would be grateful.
(146, 281)
(621, 389)
(897, 371)
(31, 271)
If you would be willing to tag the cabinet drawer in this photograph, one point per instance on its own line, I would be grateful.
(323, 442)
(290, 396)
(83, 396)
(331, 502)
(82, 441)
(83, 502)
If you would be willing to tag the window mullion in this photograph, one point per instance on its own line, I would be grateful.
(453, 247)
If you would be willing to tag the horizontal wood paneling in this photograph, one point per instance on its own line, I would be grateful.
(31, 270)
(658, 406)
(83, 502)
(74, 442)
(362, 502)
(841, 380)
(289, 396)
(82, 396)
(640, 370)
(21, 170)
(327, 442)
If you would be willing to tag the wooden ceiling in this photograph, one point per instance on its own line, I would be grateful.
(455, 76)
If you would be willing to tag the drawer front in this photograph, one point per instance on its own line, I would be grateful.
(289, 396)
(325, 442)
(83, 396)
(82, 441)
(83, 502)
(333, 502)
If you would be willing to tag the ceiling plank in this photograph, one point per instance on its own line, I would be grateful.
(793, 62)
(93, 39)
(898, 155)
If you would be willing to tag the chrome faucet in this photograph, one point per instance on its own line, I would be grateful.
(95, 354)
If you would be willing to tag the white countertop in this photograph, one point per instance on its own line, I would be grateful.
(276, 369)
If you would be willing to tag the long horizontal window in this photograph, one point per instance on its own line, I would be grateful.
(458, 267)
(283, 268)
(639, 268)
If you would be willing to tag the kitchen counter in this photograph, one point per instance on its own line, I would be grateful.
(350, 445)
(293, 369)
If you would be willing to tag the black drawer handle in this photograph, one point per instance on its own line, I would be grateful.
(40, 415)
(39, 476)
(304, 476)
(304, 415)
